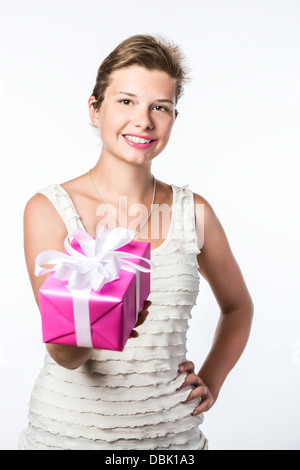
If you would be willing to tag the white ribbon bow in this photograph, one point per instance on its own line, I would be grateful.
(98, 265)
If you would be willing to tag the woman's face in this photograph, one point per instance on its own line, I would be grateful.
(137, 115)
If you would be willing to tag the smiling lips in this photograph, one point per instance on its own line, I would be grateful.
(139, 141)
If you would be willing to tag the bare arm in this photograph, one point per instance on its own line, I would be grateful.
(219, 267)
(45, 230)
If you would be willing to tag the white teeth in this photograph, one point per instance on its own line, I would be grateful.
(137, 140)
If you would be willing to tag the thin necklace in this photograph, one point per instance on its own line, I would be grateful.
(102, 200)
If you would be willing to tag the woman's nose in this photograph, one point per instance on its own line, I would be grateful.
(143, 118)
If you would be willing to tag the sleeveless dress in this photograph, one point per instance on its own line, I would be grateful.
(129, 399)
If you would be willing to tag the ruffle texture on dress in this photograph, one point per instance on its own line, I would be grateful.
(129, 399)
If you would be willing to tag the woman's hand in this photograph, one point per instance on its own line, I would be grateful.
(141, 318)
(200, 390)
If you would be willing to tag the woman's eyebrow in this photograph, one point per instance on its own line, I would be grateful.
(132, 95)
(165, 101)
(125, 93)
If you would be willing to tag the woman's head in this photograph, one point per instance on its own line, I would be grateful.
(146, 51)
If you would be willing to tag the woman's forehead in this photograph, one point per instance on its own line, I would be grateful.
(138, 80)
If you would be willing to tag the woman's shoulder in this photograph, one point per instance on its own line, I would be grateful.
(39, 204)
(44, 198)
(42, 209)
(198, 198)
(78, 185)
(203, 206)
(40, 214)
(201, 200)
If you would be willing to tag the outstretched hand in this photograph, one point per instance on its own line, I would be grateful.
(141, 318)
(200, 389)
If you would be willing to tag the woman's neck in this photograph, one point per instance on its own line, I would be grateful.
(114, 177)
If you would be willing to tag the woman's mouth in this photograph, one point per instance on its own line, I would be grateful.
(137, 141)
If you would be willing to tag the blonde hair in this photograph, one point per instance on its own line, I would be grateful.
(153, 53)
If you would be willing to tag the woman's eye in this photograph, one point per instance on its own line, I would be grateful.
(126, 102)
(160, 108)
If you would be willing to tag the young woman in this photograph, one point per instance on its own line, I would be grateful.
(148, 396)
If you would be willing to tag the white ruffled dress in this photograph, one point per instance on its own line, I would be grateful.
(129, 399)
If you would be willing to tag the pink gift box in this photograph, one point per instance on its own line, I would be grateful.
(112, 310)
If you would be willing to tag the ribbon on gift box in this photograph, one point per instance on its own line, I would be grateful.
(98, 265)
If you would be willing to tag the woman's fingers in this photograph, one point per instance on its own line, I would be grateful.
(187, 366)
(143, 314)
(207, 402)
(141, 318)
(200, 390)
(191, 379)
(134, 334)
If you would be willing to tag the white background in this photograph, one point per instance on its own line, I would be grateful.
(236, 142)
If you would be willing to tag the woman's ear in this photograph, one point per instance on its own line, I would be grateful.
(93, 111)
